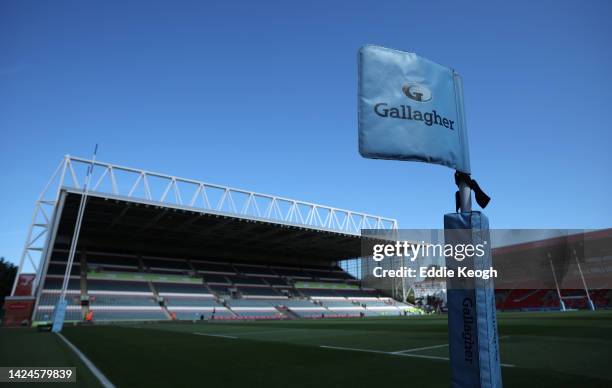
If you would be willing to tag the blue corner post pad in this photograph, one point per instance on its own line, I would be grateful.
(472, 322)
(59, 314)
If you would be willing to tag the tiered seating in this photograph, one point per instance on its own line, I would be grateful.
(112, 262)
(121, 300)
(123, 287)
(117, 286)
(195, 315)
(194, 308)
(383, 306)
(178, 289)
(128, 315)
(519, 299)
(191, 301)
(166, 265)
(376, 303)
(303, 308)
(500, 297)
(60, 269)
(321, 267)
(254, 309)
(294, 273)
(247, 281)
(331, 290)
(277, 282)
(343, 275)
(49, 297)
(280, 302)
(215, 279)
(338, 304)
(343, 307)
(548, 299)
(221, 291)
(53, 283)
(176, 301)
(323, 275)
(215, 275)
(601, 298)
(318, 293)
(255, 270)
(112, 300)
(290, 292)
(399, 304)
(45, 313)
(213, 267)
(247, 286)
(258, 292)
(359, 294)
(297, 303)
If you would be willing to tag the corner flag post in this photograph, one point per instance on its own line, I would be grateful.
(59, 314)
(411, 109)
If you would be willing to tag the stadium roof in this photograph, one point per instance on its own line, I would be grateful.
(126, 225)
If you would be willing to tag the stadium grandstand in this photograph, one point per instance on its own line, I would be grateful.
(159, 247)
(566, 272)
(569, 271)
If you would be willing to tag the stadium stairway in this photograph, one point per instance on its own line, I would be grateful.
(228, 307)
(161, 304)
(218, 298)
(289, 314)
(286, 313)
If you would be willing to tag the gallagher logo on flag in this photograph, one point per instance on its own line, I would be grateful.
(417, 92)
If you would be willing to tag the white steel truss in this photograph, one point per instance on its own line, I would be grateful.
(188, 193)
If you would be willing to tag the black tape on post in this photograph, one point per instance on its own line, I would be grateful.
(482, 199)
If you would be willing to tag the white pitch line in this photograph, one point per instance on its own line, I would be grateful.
(216, 335)
(398, 354)
(418, 349)
(106, 383)
(423, 356)
(433, 347)
(383, 352)
(271, 331)
(354, 349)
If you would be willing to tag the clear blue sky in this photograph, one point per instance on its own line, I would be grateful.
(263, 97)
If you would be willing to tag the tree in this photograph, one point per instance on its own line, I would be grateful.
(8, 271)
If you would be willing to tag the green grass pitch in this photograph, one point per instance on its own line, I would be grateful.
(571, 349)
